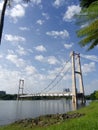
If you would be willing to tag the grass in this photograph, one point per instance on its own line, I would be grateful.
(87, 122)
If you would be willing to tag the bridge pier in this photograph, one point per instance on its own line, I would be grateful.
(75, 95)
(21, 88)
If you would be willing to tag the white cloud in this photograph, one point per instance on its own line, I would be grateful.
(1, 5)
(1, 56)
(21, 50)
(10, 51)
(45, 15)
(17, 11)
(60, 72)
(68, 46)
(58, 3)
(61, 34)
(9, 80)
(36, 2)
(87, 68)
(29, 74)
(84, 25)
(71, 11)
(17, 1)
(91, 86)
(24, 28)
(30, 50)
(14, 38)
(25, 5)
(39, 58)
(40, 22)
(30, 70)
(52, 60)
(40, 48)
(15, 60)
(90, 57)
(7, 74)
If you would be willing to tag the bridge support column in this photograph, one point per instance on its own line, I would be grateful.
(81, 80)
(75, 94)
(21, 88)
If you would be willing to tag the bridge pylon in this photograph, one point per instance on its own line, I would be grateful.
(75, 94)
(21, 88)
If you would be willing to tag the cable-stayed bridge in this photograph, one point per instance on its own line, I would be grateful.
(74, 64)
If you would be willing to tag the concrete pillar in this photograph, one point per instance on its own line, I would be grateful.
(21, 88)
(74, 93)
(80, 76)
(81, 80)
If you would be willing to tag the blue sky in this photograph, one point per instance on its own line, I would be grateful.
(36, 43)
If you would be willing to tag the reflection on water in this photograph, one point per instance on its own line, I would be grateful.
(29, 109)
(11, 111)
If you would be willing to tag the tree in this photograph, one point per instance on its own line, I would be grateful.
(92, 96)
(86, 3)
(6, 2)
(88, 18)
(2, 18)
(96, 94)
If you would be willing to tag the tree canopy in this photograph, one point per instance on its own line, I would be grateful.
(88, 19)
(86, 3)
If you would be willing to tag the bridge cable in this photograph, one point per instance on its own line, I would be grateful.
(56, 76)
(59, 79)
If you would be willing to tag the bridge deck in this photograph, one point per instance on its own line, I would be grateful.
(46, 94)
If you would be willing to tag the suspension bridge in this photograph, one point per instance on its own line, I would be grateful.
(76, 70)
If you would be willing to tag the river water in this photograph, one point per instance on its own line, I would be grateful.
(11, 111)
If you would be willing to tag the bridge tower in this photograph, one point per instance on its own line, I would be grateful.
(21, 88)
(75, 94)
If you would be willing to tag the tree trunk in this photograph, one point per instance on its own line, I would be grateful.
(2, 18)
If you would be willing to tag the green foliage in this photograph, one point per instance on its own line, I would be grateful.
(96, 94)
(88, 19)
(93, 96)
(8, 97)
(86, 3)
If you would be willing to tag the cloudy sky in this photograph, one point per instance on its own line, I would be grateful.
(37, 40)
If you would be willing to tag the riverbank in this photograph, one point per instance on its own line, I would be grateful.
(83, 119)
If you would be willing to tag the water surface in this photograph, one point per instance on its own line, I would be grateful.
(11, 111)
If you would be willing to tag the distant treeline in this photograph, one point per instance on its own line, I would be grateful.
(92, 96)
(8, 96)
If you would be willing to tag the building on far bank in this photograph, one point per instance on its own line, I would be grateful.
(2, 92)
(66, 90)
